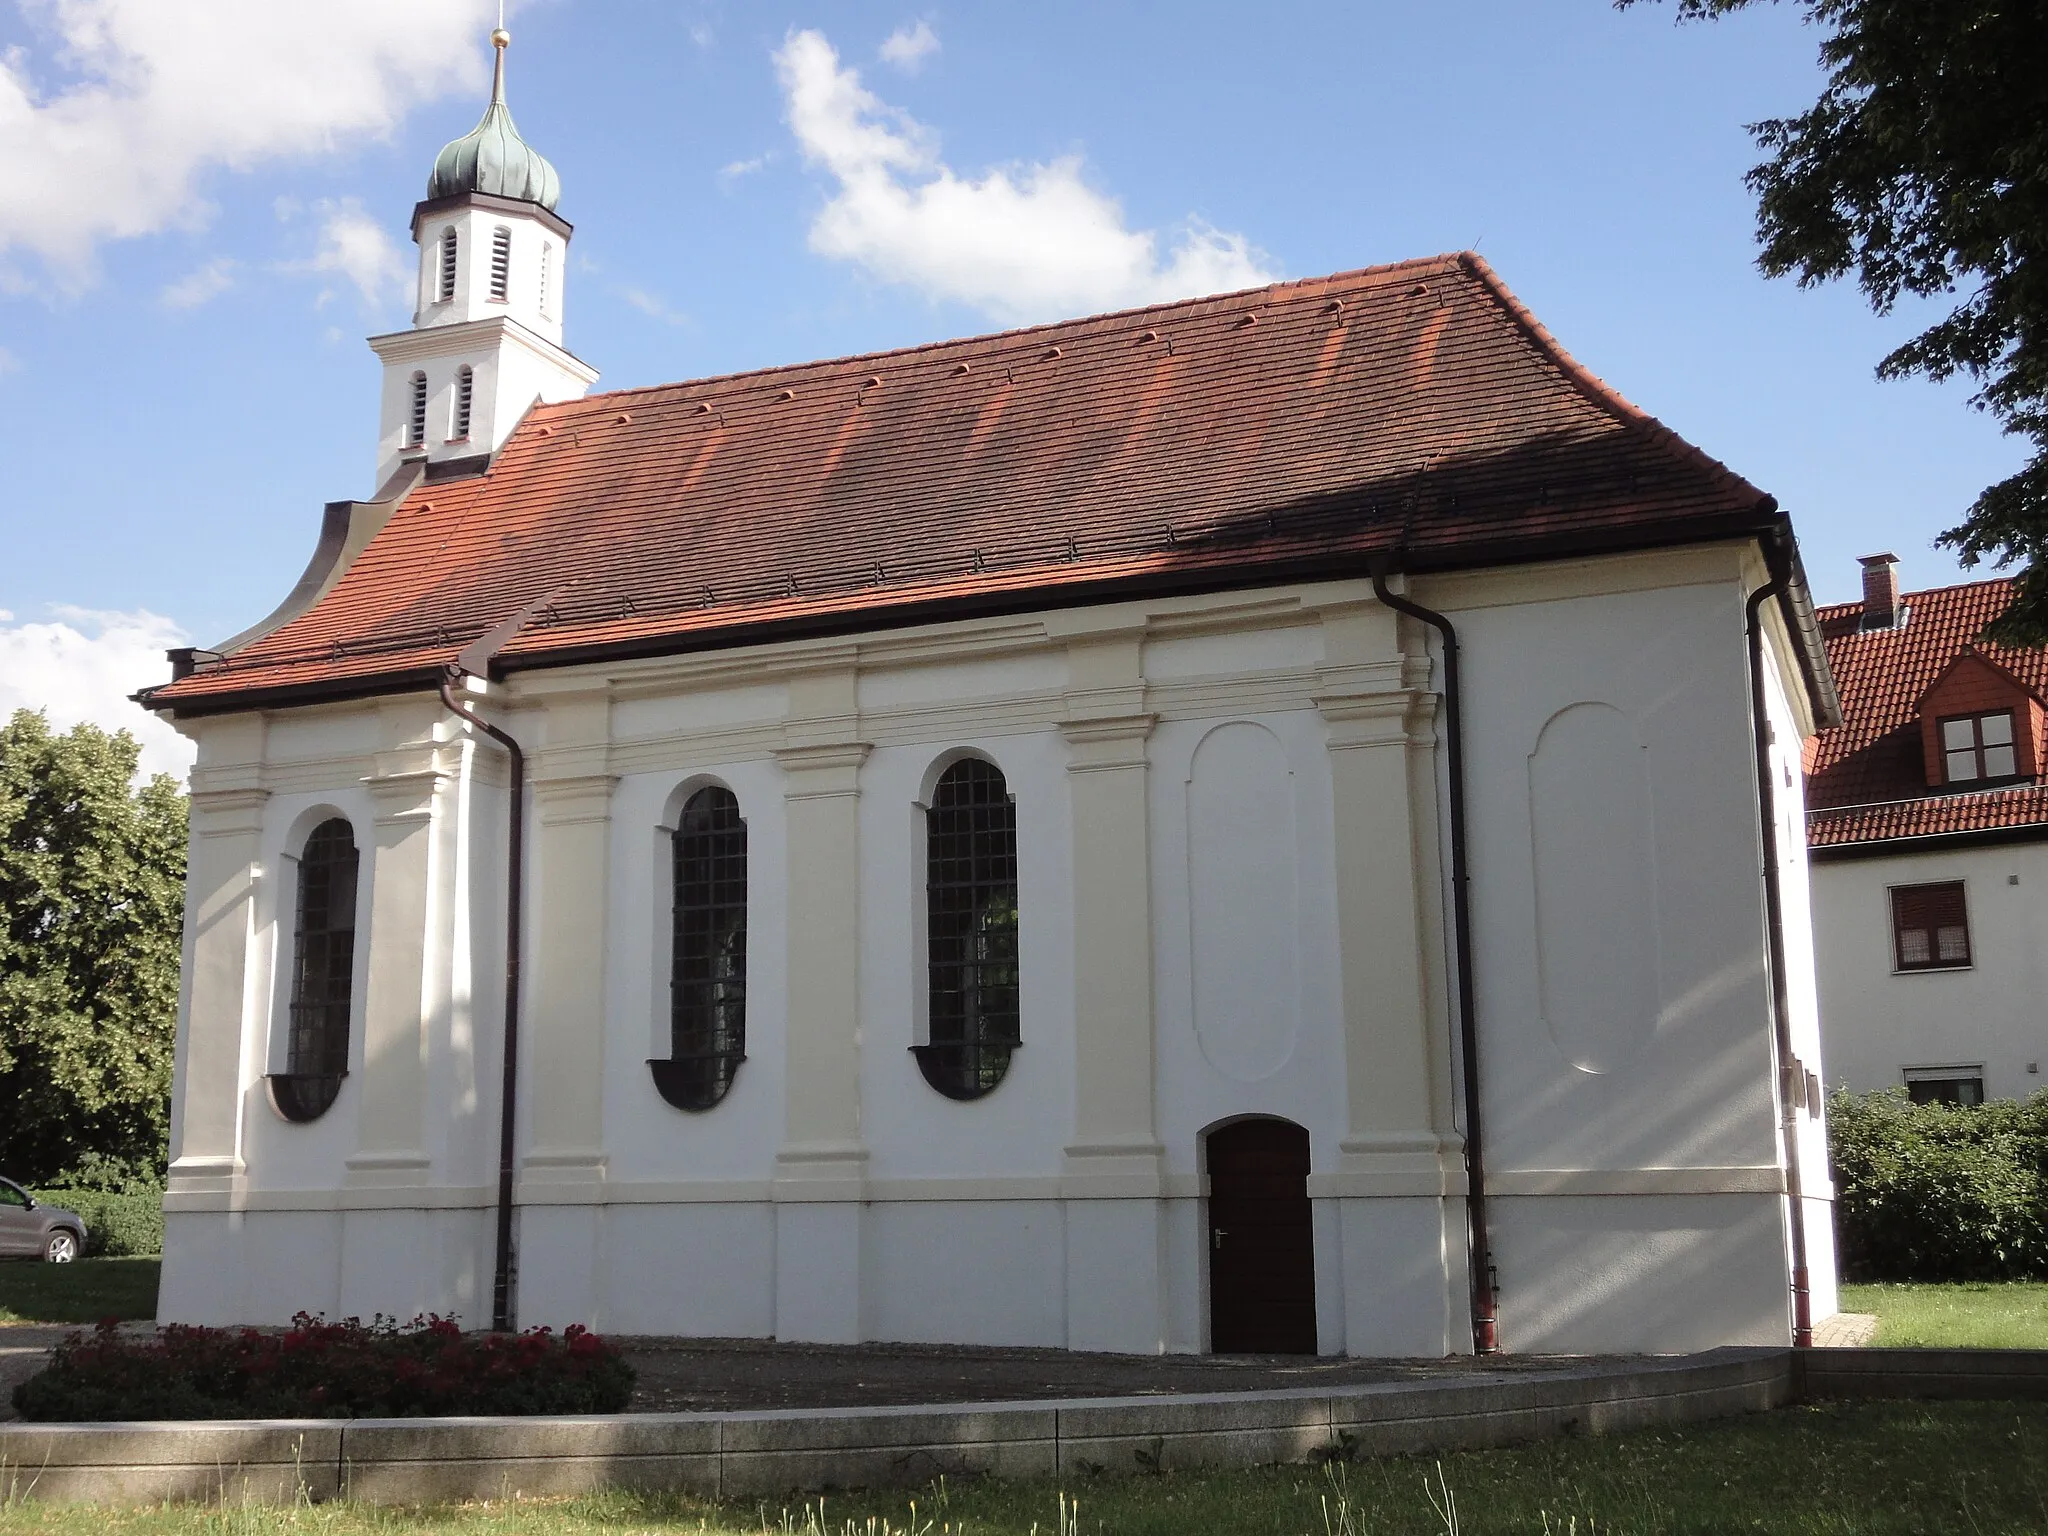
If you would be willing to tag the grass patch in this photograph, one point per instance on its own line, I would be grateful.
(1983, 1315)
(83, 1292)
(1875, 1469)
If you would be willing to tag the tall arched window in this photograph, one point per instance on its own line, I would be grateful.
(501, 264)
(465, 398)
(708, 975)
(971, 931)
(416, 411)
(448, 243)
(323, 974)
(547, 272)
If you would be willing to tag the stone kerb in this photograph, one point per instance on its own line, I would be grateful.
(2003, 1374)
(268, 1461)
(428, 1460)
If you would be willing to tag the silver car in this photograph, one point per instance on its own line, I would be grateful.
(30, 1230)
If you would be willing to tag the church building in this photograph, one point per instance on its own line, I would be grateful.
(1269, 822)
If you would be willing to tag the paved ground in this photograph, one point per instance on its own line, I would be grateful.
(694, 1375)
(685, 1375)
(1845, 1330)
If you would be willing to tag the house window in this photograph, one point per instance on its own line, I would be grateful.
(1945, 1085)
(416, 412)
(448, 241)
(323, 974)
(708, 975)
(501, 264)
(1930, 927)
(465, 397)
(1977, 747)
(971, 931)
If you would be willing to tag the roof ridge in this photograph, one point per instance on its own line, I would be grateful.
(1278, 290)
(1598, 390)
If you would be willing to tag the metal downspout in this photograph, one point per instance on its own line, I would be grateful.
(1479, 1248)
(515, 893)
(1774, 938)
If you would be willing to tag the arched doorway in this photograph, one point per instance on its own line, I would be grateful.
(1262, 1256)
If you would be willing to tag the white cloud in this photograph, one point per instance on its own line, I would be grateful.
(652, 306)
(83, 666)
(1032, 242)
(360, 249)
(202, 286)
(150, 96)
(9, 363)
(908, 47)
(730, 173)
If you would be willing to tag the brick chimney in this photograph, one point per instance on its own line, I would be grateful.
(1881, 592)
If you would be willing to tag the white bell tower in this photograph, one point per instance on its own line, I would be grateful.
(486, 337)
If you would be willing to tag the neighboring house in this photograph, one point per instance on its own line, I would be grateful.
(990, 840)
(1927, 826)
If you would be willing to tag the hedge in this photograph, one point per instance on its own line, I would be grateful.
(1939, 1191)
(319, 1370)
(117, 1223)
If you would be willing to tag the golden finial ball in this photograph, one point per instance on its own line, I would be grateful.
(500, 38)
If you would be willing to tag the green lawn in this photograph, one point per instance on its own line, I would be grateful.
(1991, 1316)
(84, 1292)
(1873, 1469)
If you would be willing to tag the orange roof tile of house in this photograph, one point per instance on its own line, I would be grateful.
(1414, 411)
(1866, 779)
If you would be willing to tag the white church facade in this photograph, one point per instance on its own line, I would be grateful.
(1234, 825)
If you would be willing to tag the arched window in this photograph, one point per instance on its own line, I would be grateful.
(416, 412)
(323, 974)
(501, 264)
(448, 242)
(708, 976)
(971, 931)
(465, 397)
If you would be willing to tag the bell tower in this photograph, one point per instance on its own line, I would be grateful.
(486, 337)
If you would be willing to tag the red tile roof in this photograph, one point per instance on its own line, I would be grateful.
(1866, 779)
(1282, 433)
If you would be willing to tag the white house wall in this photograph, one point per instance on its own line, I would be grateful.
(1250, 786)
(1994, 1014)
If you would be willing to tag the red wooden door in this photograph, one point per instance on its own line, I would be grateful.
(1262, 1258)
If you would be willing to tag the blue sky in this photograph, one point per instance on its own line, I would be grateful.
(200, 223)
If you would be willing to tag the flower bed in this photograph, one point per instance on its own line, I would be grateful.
(322, 1370)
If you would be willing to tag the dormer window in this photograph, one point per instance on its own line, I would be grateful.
(465, 397)
(1979, 748)
(416, 412)
(448, 243)
(501, 265)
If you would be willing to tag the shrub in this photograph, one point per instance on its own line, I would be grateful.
(118, 1224)
(1938, 1191)
(322, 1370)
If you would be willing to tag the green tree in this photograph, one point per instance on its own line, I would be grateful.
(92, 879)
(1923, 170)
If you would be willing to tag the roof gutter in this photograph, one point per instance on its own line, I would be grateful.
(1478, 1248)
(1790, 1070)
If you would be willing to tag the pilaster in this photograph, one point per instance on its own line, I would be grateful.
(820, 1171)
(1113, 1175)
(215, 1016)
(569, 899)
(399, 1006)
(1380, 722)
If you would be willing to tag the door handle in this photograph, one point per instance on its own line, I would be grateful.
(1216, 1236)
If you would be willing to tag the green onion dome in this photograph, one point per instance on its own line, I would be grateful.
(491, 158)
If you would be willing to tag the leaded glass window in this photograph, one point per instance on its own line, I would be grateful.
(708, 976)
(971, 931)
(323, 973)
